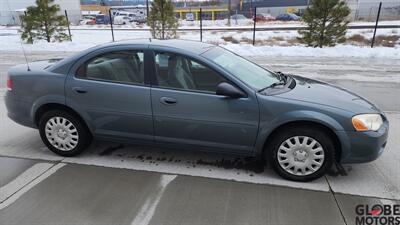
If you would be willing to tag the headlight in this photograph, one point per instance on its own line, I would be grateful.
(367, 122)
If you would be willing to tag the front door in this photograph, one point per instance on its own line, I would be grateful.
(186, 109)
(110, 91)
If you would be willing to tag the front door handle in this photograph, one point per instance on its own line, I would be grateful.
(79, 90)
(168, 101)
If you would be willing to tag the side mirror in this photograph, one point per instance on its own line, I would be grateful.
(226, 89)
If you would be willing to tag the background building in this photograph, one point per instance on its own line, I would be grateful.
(272, 7)
(11, 10)
(360, 9)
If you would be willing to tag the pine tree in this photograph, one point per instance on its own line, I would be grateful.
(162, 19)
(326, 23)
(42, 23)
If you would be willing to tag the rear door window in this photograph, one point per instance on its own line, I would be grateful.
(121, 66)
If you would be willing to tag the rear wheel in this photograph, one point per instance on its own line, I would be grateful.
(301, 154)
(63, 133)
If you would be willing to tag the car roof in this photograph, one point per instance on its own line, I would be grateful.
(194, 47)
(186, 46)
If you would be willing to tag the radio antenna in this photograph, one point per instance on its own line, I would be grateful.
(26, 59)
(22, 46)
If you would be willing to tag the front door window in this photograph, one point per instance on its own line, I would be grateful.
(179, 72)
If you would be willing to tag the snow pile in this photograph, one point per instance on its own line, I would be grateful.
(337, 51)
(83, 39)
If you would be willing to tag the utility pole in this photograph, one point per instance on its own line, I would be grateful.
(69, 30)
(162, 19)
(147, 8)
(254, 27)
(111, 23)
(229, 12)
(251, 8)
(376, 24)
(201, 25)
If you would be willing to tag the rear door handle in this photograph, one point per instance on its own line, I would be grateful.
(79, 90)
(168, 101)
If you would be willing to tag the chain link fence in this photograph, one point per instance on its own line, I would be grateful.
(360, 11)
(10, 17)
(13, 17)
(216, 28)
(368, 11)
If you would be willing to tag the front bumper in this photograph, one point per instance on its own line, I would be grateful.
(363, 147)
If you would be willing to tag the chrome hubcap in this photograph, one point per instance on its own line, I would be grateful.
(61, 133)
(300, 155)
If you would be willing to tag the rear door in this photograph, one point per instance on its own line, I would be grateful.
(109, 88)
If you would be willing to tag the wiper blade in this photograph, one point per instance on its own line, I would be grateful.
(282, 76)
(282, 82)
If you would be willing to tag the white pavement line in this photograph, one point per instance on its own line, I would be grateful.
(21, 184)
(23, 179)
(148, 208)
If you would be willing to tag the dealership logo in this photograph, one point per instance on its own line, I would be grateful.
(378, 214)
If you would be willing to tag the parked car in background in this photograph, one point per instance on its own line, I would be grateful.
(125, 17)
(88, 20)
(120, 13)
(139, 18)
(189, 16)
(122, 20)
(264, 17)
(288, 17)
(238, 17)
(102, 19)
(195, 95)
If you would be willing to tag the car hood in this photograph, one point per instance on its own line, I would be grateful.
(313, 91)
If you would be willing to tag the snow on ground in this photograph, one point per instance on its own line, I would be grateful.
(337, 51)
(248, 23)
(270, 43)
(285, 35)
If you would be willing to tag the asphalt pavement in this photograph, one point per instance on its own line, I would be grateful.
(117, 184)
(81, 194)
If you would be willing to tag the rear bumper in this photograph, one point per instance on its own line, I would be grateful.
(18, 111)
(363, 146)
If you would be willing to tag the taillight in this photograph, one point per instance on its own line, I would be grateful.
(9, 83)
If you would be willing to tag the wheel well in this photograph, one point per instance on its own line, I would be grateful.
(327, 130)
(52, 106)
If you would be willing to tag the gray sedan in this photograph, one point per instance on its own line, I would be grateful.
(194, 95)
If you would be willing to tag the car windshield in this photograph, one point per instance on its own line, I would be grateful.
(248, 72)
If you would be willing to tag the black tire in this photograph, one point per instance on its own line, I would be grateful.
(84, 140)
(314, 132)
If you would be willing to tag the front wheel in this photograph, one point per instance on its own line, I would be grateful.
(63, 133)
(302, 153)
